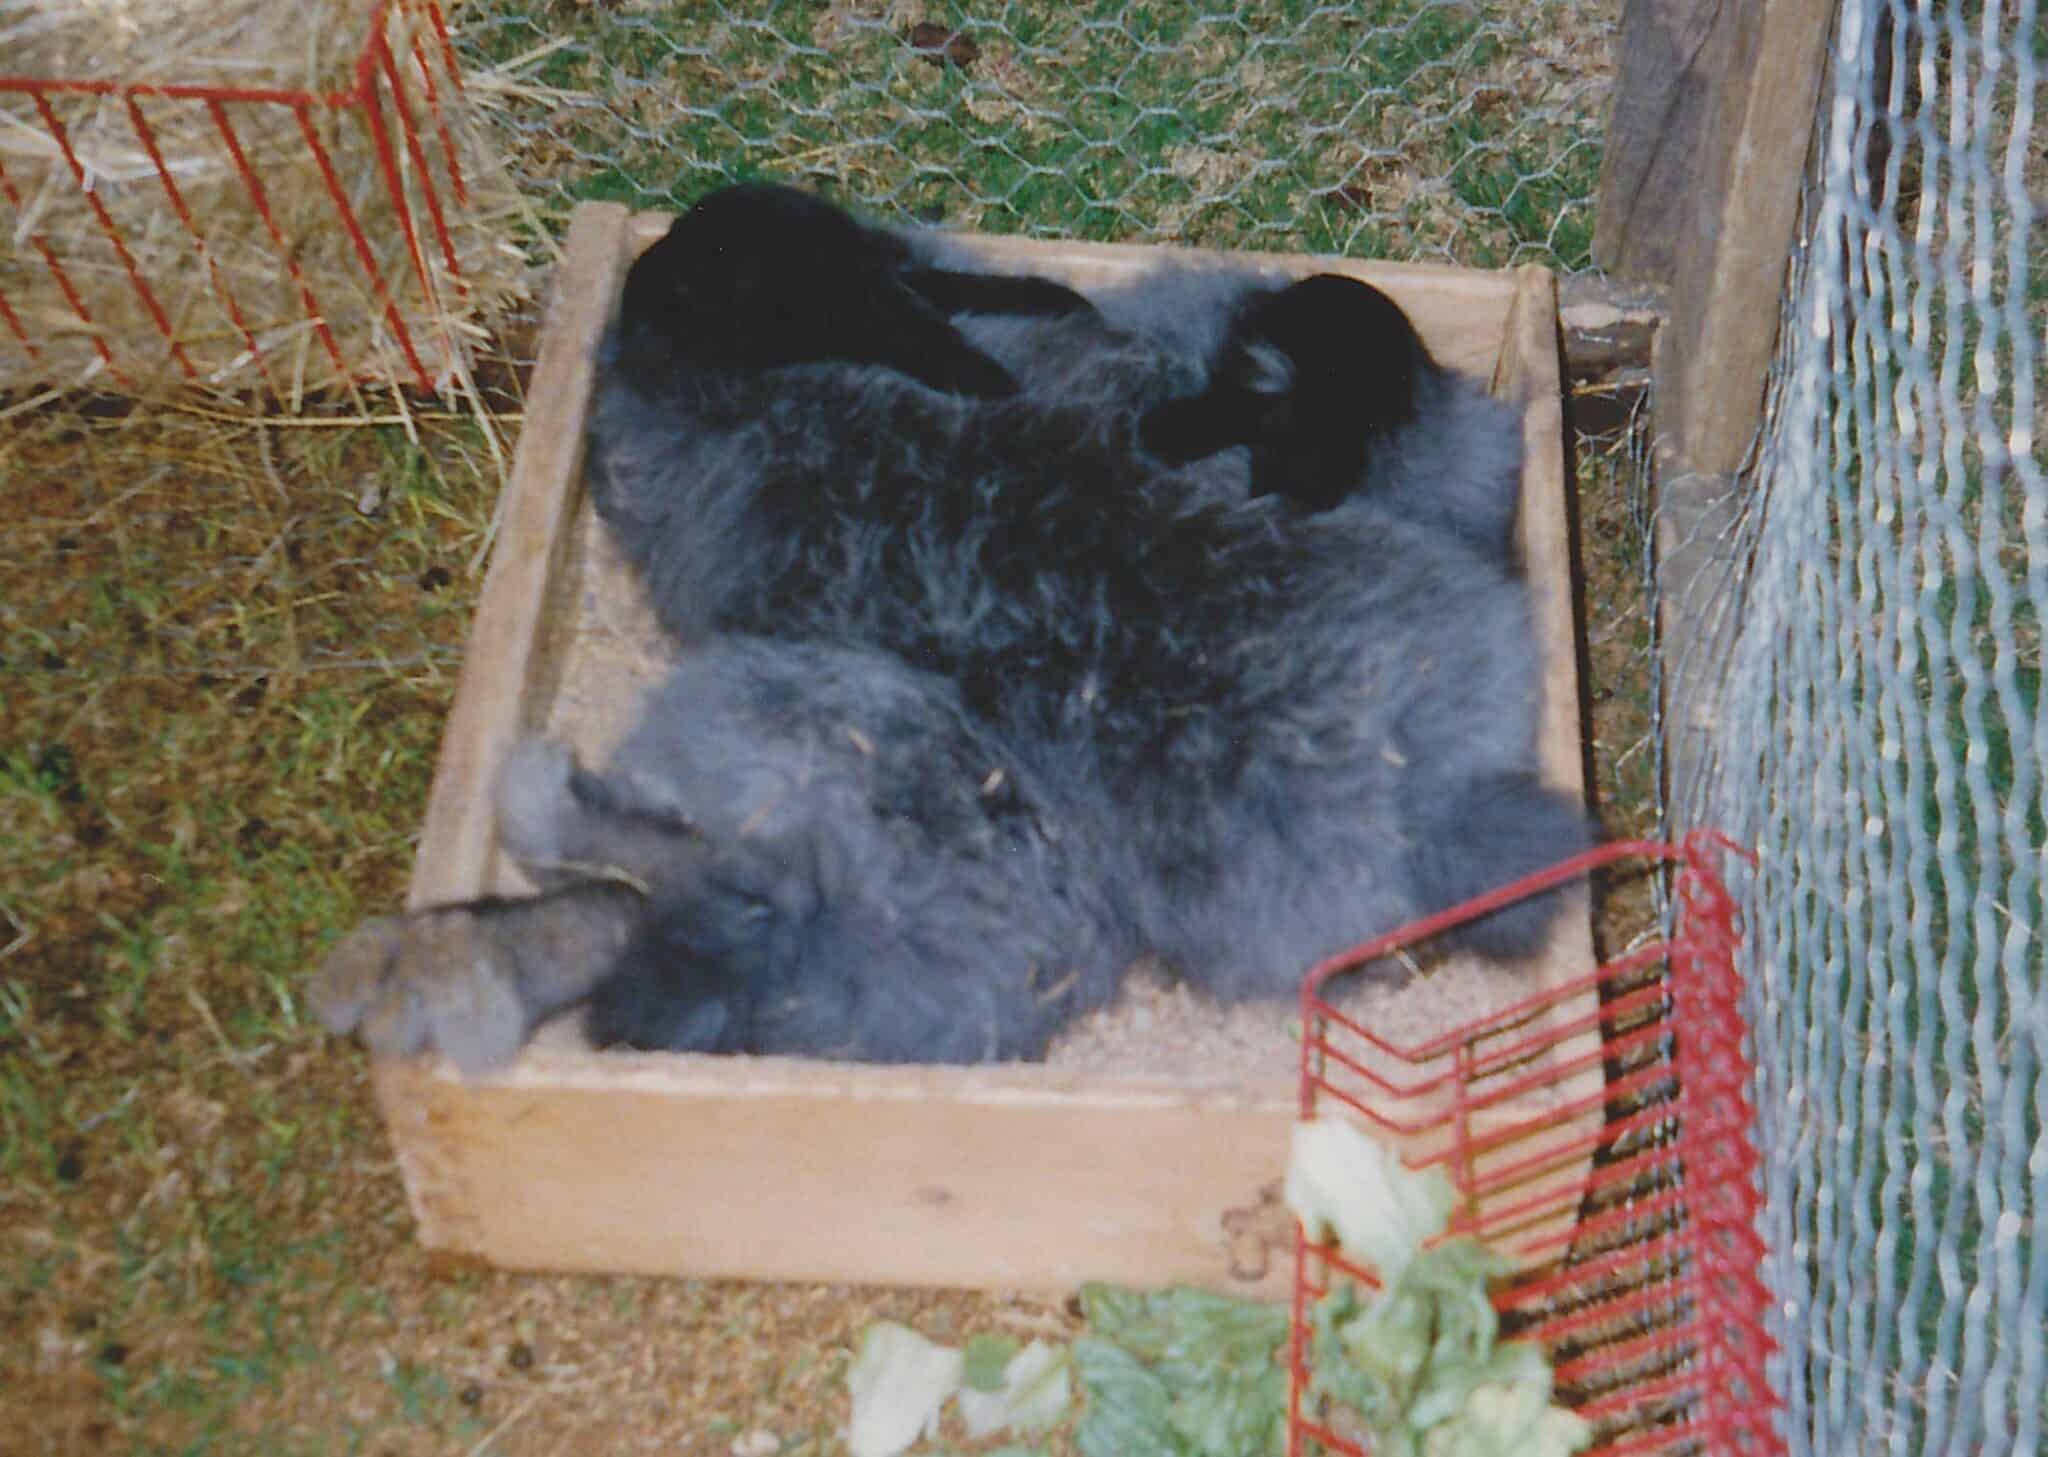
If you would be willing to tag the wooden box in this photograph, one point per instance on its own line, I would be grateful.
(1009, 1177)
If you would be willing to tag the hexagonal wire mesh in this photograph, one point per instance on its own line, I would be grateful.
(1403, 128)
(1868, 699)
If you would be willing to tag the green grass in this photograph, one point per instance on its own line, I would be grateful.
(221, 711)
(1394, 129)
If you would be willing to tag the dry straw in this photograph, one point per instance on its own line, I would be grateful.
(206, 272)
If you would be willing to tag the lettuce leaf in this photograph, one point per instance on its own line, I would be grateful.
(1419, 1361)
(1189, 1373)
(1214, 1354)
(1344, 1183)
(900, 1382)
(1127, 1404)
(984, 1361)
(1032, 1392)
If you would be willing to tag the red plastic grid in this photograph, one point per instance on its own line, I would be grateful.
(1599, 1132)
(376, 96)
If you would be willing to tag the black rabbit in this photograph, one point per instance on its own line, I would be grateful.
(1024, 633)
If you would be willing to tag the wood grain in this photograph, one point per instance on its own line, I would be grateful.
(1667, 66)
(1712, 359)
(1730, 270)
(774, 1169)
(455, 860)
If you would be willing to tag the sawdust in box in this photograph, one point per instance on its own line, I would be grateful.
(1147, 1149)
(611, 651)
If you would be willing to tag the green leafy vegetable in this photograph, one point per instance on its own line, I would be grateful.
(1510, 1419)
(1031, 1393)
(899, 1381)
(1214, 1355)
(1196, 1332)
(1189, 1373)
(1342, 1182)
(1127, 1404)
(984, 1360)
(1419, 1362)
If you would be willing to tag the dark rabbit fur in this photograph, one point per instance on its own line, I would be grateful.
(1026, 633)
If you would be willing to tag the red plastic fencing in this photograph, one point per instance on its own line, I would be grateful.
(397, 97)
(1599, 1133)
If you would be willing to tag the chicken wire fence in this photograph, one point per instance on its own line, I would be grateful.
(1406, 128)
(1862, 703)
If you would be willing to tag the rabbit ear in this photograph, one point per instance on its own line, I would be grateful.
(1198, 426)
(906, 333)
(760, 276)
(1310, 377)
(953, 293)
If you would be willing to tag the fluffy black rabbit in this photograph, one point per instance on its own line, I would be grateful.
(1024, 633)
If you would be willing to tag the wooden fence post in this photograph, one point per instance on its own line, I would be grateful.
(1707, 153)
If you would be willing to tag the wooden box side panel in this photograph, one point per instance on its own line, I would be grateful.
(457, 856)
(507, 644)
(999, 1177)
(725, 1172)
(1529, 371)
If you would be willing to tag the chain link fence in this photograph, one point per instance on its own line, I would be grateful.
(1396, 128)
(1869, 715)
